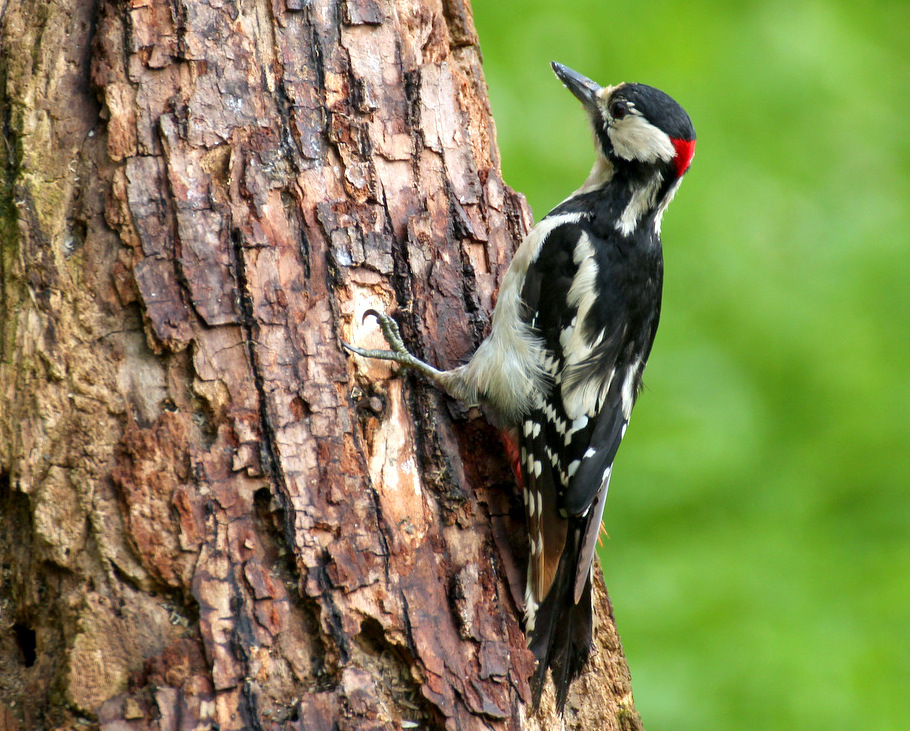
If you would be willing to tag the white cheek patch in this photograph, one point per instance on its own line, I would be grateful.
(635, 138)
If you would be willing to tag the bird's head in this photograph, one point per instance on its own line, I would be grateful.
(635, 123)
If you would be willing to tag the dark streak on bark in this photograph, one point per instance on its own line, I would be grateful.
(244, 638)
(269, 453)
(462, 231)
(292, 211)
(331, 611)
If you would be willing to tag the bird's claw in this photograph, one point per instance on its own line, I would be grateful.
(370, 312)
(398, 353)
(390, 331)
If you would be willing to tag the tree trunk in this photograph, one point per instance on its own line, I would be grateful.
(210, 516)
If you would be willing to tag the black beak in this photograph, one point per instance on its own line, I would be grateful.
(581, 86)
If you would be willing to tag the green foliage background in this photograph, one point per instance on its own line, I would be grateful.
(759, 559)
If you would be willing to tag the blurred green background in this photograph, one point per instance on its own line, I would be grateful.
(759, 559)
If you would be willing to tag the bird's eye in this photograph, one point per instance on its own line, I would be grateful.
(618, 110)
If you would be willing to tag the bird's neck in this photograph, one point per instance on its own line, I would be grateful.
(600, 175)
(630, 194)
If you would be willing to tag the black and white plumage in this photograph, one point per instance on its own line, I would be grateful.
(571, 333)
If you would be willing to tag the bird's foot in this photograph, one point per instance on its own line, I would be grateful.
(398, 353)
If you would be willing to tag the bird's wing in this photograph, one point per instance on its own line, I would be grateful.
(571, 435)
(546, 287)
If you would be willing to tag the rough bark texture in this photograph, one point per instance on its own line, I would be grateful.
(210, 517)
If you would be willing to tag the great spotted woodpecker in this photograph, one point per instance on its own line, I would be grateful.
(572, 330)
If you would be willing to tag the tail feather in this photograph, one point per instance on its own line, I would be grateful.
(561, 638)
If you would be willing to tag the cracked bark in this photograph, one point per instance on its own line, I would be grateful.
(210, 517)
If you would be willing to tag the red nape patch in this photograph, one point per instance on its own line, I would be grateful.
(685, 149)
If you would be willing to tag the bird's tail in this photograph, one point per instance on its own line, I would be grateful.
(561, 638)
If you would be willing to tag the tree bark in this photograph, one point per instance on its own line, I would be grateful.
(210, 516)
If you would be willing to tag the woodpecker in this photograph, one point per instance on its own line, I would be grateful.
(571, 333)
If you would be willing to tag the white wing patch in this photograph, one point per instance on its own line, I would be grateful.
(628, 389)
(577, 425)
(585, 397)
